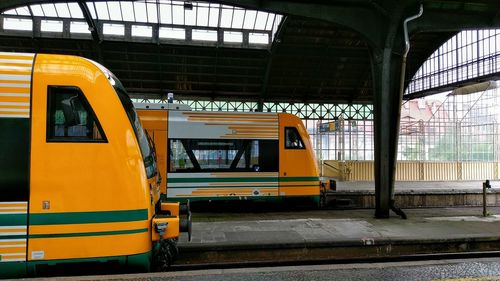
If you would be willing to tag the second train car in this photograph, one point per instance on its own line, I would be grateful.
(231, 155)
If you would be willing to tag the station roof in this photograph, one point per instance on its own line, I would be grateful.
(213, 50)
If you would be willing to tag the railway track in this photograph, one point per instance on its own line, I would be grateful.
(403, 258)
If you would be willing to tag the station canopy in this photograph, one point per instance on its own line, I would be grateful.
(204, 50)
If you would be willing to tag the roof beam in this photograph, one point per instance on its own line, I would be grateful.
(88, 17)
(267, 73)
(432, 21)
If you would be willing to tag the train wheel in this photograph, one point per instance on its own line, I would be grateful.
(166, 254)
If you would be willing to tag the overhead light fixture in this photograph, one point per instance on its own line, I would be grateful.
(188, 6)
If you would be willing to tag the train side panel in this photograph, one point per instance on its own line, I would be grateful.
(222, 156)
(89, 198)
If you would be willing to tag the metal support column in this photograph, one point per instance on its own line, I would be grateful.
(386, 68)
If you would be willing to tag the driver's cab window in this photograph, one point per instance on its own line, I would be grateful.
(292, 139)
(70, 117)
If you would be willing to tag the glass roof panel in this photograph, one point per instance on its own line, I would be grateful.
(62, 10)
(74, 10)
(49, 10)
(171, 12)
(23, 11)
(190, 16)
(178, 14)
(102, 10)
(250, 18)
(91, 7)
(152, 12)
(202, 17)
(140, 12)
(260, 22)
(198, 15)
(165, 14)
(270, 22)
(213, 17)
(37, 10)
(127, 11)
(226, 18)
(10, 12)
(115, 12)
(238, 18)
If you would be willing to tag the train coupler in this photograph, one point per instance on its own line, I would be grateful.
(161, 227)
(165, 227)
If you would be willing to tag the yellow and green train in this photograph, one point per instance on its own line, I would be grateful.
(78, 176)
(231, 155)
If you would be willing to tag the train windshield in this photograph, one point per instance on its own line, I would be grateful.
(145, 145)
(146, 148)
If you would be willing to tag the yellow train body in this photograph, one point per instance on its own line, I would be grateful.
(231, 156)
(74, 181)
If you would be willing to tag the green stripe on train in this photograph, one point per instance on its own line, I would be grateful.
(252, 179)
(299, 179)
(242, 179)
(80, 234)
(9, 237)
(88, 217)
(13, 219)
(226, 186)
(243, 186)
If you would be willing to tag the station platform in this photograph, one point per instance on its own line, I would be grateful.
(418, 186)
(415, 194)
(329, 235)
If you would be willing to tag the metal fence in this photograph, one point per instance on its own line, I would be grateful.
(462, 128)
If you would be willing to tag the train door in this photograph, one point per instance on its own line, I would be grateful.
(15, 74)
(298, 167)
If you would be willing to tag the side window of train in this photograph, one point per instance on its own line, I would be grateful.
(70, 117)
(292, 139)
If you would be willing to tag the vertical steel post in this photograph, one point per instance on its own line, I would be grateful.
(387, 106)
(486, 185)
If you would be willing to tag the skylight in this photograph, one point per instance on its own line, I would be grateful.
(52, 26)
(178, 20)
(114, 29)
